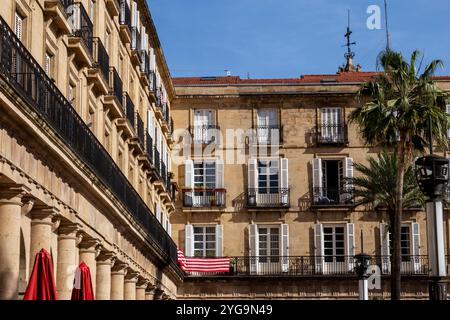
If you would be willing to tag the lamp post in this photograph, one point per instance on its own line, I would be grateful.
(432, 177)
(362, 263)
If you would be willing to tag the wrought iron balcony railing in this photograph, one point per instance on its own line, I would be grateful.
(157, 161)
(333, 196)
(268, 198)
(270, 134)
(149, 147)
(115, 85)
(204, 198)
(129, 109)
(22, 73)
(135, 39)
(152, 79)
(145, 63)
(83, 27)
(332, 134)
(326, 266)
(125, 14)
(140, 130)
(101, 58)
(205, 134)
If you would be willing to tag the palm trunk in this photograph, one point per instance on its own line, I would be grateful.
(396, 234)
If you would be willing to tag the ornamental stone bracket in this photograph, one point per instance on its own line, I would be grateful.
(11, 192)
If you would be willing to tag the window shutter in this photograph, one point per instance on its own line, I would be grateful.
(348, 170)
(385, 250)
(164, 221)
(158, 212)
(75, 18)
(285, 247)
(169, 231)
(415, 248)
(133, 14)
(219, 240)
(47, 64)
(317, 179)
(318, 248)
(253, 248)
(19, 26)
(189, 181)
(350, 245)
(219, 173)
(252, 174)
(284, 179)
(189, 240)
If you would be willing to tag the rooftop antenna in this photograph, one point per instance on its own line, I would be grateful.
(349, 54)
(388, 45)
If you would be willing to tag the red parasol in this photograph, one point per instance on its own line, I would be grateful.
(82, 289)
(41, 285)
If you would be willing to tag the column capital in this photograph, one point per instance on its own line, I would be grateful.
(43, 214)
(88, 244)
(142, 282)
(131, 276)
(105, 257)
(69, 230)
(13, 193)
(27, 204)
(119, 267)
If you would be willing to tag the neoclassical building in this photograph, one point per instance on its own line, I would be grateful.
(94, 169)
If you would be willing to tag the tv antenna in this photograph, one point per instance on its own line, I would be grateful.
(349, 54)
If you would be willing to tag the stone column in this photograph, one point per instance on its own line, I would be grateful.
(103, 278)
(67, 259)
(130, 285)
(117, 280)
(10, 216)
(141, 286)
(41, 230)
(149, 292)
(88, 253)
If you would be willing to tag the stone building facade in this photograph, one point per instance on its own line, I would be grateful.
(85, 133)
(263, 171)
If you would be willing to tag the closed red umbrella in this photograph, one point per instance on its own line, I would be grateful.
(41, 285)
(82, 288)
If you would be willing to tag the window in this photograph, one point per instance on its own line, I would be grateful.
(268, 176)
(19, 23)
(269, 244)
(267, 126)
(204, 121)
(48, 64)
(204, 174)
(204, 241)
(71, 95)
(405, 243)
(332, 128)
(16, 58)
(158, 212)
(334, 243)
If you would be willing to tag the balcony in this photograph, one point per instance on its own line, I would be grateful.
(204, 198)
(268, 198)
(165, 123)
(149, 147)
(310, 266)
(267, 135)
(205, 134)
(99, 74)
(125, 21)
(332, 197)
(332, 134)
(127, 124)
(157, 161)
(48, 104)
(159, 112)
(136, 46)
(113, 7)
(114, 99)
(81, 41)
(144, 69)
(56, 11)
(152, 79)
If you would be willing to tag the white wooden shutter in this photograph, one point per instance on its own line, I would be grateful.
(253, 174)
(385, 248)
(133, 14)
(47, 64)
(317, 179)
(219, 173)
(350, 247)
(253, 248)
(19, 26)
(285, 247)
(158, 212)
(164, 221)
(189, 240)
(415, 245)
(219, 240)
(75, 18)
(346, 193)
(284, 181)
(318, 248)
(189, 181)
(169, 231)
(151, 124)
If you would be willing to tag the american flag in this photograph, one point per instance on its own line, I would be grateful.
(203, 264)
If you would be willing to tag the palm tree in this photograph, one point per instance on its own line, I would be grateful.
(402, 105)
(376, 184)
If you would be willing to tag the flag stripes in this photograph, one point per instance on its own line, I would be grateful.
(203, 264)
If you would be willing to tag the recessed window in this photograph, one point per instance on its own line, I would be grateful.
(204, 241)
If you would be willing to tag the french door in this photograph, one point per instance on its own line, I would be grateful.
(332, 129)
(203, 125)
(267, 124)
(334, 249)
(269, 242)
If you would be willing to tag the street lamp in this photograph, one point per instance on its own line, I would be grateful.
(432, 177)
(362, 263)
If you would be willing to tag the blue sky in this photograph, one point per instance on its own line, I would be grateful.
(288, 38)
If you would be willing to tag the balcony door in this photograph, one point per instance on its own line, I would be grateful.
(269, 243)
(332, 130)
(267, 126)
(204, 121)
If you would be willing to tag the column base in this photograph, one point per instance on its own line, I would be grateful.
(438, 290)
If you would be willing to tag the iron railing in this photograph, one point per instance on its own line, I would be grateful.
(115, 85)
(270, 134)
(332, 134)
(66, 4)
(125, 14)
(145, 63)
(205, 134)
(101, 58)
(149, 147)
(326, 266)
(140, 130)
(204, 198)
(22, 73)
(163, 172)
(157, 161)
(83, 27)
(268, 197)
(129, 109)
(158, 94)
(152, 79)
(333, 196)
(135, 39)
